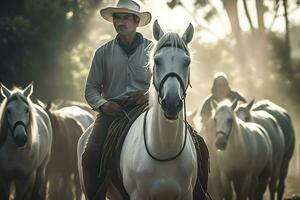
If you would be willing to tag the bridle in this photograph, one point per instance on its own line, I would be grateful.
(223, 133)
(159, 99)
(18, 123)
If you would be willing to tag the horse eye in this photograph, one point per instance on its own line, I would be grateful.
(157, 61)
(230, 121)
(187, 62)
(8, 111)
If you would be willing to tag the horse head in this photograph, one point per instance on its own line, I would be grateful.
(17, 113)
(224, 120)
(244, 112)
(171, 72)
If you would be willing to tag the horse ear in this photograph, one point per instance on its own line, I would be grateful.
(5, 91)
(27, 92)
(213, 104)
(42, 104)
(188, 34)
(234, 104)
(49, 105)
(157, 31)
(249, 106)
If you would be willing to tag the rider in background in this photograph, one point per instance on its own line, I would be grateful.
(220, 91)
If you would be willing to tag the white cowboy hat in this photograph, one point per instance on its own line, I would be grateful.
(126, 6)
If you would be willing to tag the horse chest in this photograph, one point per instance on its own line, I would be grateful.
(15, 161)
(235, 162)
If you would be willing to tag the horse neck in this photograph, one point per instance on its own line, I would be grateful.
(165, 138)
(236, 138)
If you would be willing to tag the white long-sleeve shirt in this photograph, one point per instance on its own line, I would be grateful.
(113, 75)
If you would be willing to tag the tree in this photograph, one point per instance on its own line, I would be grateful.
(34, 34)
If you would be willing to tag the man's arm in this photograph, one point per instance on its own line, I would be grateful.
(94, 83)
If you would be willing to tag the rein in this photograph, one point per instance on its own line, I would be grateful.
(17, 124)
(172, 157)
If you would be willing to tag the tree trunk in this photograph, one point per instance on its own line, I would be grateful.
(232, 13)
(287, 68)
(260, 15)
(248, 15)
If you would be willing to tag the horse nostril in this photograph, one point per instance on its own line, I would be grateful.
(163, 104)
(179, 106)
(20, 139)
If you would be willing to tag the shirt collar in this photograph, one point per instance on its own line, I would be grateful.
(130, 49)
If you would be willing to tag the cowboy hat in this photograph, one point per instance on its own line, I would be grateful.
(126, 6)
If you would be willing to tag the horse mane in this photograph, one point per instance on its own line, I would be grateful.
(32, 128)
(171, 40)
(3, 120)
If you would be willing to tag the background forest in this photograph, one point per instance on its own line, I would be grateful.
(255, 42)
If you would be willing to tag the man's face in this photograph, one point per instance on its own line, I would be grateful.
(125, 23)
(221, 89)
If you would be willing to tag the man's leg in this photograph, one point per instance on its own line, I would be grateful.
(92, 155)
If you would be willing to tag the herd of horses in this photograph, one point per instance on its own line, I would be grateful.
(250, 145)
(250, 148)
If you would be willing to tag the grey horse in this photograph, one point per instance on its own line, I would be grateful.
(25, 145)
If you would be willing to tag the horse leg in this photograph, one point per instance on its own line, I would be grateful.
(78, 191)
(226, 190)
(283, 174)
(242, 186)
(263, 180)
(189, 196)
(273, 185)
(39, 190)
(54, 186)
(4, 189)
(67, 186)
(24, 187)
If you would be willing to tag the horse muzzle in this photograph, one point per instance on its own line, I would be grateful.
(171, 107)
(171, 101)
(20, 137)
(221, 141)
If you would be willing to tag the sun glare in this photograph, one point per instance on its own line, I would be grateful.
(170, 19)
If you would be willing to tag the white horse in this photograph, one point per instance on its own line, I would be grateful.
(68, 124)
(25, 145)
(284, 121)
(158, 157)
(214, 182)
(82, 116)
(244, 156)
(270, 124)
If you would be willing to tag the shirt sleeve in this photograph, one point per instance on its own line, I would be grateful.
(206, 108)
(239, 97)
(94, 83)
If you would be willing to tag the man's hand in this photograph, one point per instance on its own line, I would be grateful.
(111, 108)
(138, 98)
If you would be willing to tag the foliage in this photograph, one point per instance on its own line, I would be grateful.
(35, 35)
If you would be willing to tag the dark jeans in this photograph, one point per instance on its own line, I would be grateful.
(92, 156)
(94, 149)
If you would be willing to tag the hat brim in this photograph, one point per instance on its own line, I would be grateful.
(107, 14)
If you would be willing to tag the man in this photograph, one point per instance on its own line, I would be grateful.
(220, 90)
(117, 81)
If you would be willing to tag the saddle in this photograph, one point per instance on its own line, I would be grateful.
(113, 145)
